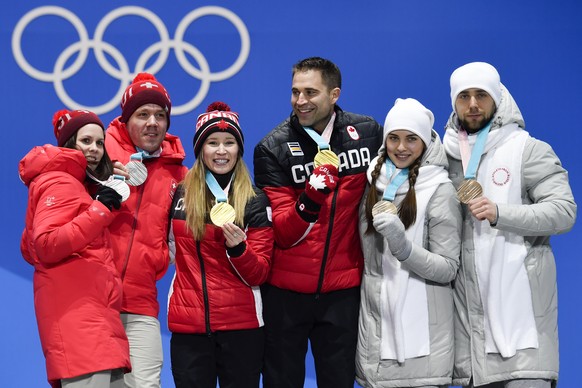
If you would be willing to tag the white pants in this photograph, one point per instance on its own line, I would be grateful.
(145, 351)
(103, 379)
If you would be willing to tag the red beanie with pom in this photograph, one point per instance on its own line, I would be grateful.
(67, 122)
(218, 117)
(144, 89)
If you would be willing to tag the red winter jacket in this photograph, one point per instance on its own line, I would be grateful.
(211, 291)
(77, 289)
(139, 232)
(325, 255)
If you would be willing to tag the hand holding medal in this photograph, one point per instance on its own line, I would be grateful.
(233, 235)
(470, 188)
(117, 183)
(386, 205)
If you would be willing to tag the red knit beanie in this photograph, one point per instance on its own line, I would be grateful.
(67, 122)
(145, 89)
(218, 117)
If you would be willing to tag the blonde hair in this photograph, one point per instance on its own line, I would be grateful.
(198, 199)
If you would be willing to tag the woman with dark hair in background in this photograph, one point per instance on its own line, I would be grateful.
(77, 289)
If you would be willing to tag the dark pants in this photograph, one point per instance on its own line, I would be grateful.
(233, 357)
(329, 322)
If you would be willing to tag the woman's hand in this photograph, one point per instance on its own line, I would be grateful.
(233, 234)
(119, 169)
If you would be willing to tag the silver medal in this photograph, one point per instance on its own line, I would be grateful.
(118, 184)
(137, 171)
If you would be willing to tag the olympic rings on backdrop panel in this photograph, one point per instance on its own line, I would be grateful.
(123, 72)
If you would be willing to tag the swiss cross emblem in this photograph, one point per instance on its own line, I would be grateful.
(148, 85)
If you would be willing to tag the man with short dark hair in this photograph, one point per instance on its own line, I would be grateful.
(139, 139)
(312, 167)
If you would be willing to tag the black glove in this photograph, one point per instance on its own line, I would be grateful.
(108, 197)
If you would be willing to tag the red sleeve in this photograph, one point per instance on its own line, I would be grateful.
(254, 264)
(289, 227)
(64, 221)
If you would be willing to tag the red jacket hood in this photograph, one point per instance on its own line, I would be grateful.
(47, 158)
(171, 146)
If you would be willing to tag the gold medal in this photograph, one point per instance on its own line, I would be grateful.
(384, 207)
(221, 213)
(469, 189)
(326, 157)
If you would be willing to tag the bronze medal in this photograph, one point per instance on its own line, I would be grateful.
(221, 213)
(137, 171)
(384, 207)
(326, 157)
(469, 189)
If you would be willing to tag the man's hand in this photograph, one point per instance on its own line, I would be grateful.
(483, 208)
(321, 182)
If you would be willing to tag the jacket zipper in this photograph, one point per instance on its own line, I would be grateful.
(133, 227)
(204, 290)
(327, 243)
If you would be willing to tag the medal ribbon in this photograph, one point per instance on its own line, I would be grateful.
(137, 157)
(215, 188)
(470, 168)
(113, 176)
(143, 154)
(322, 144)
(395, 181)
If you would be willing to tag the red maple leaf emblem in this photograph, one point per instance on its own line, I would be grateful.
(222, 125)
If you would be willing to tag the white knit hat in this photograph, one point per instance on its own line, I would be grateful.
(410, 115)
(478, 75)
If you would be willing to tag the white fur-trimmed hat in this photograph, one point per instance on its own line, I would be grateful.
(479, 75)
(410, 115)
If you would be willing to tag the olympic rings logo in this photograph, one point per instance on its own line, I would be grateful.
(123, 73)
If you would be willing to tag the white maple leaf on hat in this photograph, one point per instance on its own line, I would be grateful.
(317, 181)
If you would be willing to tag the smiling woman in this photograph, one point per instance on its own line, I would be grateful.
(221, 228)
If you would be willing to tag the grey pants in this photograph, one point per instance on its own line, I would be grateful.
(520, 383)
(145, 351)
(103, 379)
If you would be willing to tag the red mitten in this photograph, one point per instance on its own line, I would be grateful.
(321, 182)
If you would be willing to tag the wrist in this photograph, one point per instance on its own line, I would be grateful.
(307, 208)
(493, 222)
(237, 250)
(404, 253)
